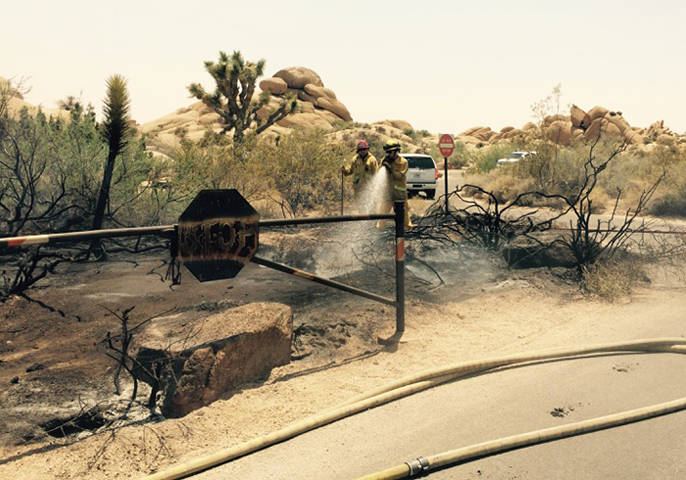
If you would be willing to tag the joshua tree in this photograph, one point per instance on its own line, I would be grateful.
(115, 130)
(232, 99)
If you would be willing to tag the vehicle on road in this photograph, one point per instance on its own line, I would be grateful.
(422, 174)
(514, 157)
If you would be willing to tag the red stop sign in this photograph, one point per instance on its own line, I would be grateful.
(446, 145)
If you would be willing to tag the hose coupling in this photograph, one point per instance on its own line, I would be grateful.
(418, 466)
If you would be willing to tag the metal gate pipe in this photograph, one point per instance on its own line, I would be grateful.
(161, 230)
(342, 218)
(399, 208)
(323, 281)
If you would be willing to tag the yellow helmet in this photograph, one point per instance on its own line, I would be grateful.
(392, 145)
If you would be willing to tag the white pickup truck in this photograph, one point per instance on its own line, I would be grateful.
(422, 175)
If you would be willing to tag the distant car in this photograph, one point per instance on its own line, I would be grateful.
(515, 157)
(422, 175)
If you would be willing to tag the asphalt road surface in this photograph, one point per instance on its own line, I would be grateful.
(508, 402)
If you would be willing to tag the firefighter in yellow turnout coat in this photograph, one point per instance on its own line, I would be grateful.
(363, 167)
(396, 167)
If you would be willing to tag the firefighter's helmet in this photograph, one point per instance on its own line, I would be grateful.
(392, 146)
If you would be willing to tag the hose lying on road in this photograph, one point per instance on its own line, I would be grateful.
(421, 381)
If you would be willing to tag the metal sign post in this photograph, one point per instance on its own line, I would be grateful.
(446, 145)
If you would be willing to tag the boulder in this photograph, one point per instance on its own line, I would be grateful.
(483, 134)
(577, 115)
(197, 361)
(470, 131)
(298, 77)
(513, 133)
(529, 126)
(274, 85)
(306, 121)
(596, 112)
(602, 129)
(306, 107)
(527, 252)
(334, 106)
(547, 121)
(506, 129)
(666, 140)
(269, 108)
(401, 125)
(305, 97)
(468, 139)
(316, 92)
(633, 137)
(560, 132)
(329, 117)
(619, 121)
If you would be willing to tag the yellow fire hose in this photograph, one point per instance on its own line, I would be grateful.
(424, 380)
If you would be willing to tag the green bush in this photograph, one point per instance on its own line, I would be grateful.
(305, 168)
(301, 170)
(486, 159)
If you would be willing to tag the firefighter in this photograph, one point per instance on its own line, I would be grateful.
(363, 167)
(396, 168)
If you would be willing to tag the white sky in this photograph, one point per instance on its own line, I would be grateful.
(442, 65)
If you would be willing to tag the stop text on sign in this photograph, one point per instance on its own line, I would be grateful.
(218, 239)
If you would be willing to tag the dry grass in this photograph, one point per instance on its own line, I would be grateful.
(613, 279)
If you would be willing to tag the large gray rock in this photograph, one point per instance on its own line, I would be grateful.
(195, 362)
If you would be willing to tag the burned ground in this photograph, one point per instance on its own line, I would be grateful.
(480, 306)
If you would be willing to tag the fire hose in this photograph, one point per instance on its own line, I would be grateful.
(437, 376)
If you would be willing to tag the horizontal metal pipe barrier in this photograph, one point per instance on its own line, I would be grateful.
(610, 230)
(343, 218)
(323, 281)
(161, 230)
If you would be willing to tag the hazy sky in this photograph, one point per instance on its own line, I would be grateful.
(443, 66)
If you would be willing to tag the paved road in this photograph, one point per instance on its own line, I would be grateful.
(508, 402)
(454, 177)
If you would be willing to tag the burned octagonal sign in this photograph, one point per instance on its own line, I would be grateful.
(218, 234)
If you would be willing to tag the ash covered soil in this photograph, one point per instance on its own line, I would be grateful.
(54, 367)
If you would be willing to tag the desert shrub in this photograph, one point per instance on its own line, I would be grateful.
(416, 135)
(304, 167)
(612, 279)
(671, 200)
(50, 174)
(486, 159)
(461, 156)
(297, 171)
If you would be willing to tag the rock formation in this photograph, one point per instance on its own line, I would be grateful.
(309, 89)
(598, 123)
(319, 107)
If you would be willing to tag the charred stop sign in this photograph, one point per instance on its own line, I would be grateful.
(218, 234)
